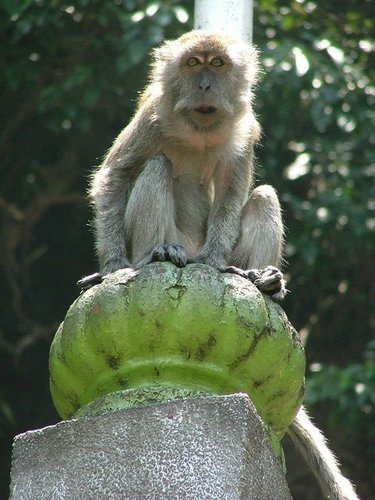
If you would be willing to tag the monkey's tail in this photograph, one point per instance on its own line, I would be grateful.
(312, 445)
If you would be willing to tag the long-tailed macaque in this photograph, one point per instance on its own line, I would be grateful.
(177, 185)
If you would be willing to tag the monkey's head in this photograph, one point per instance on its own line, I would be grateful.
(205, 78)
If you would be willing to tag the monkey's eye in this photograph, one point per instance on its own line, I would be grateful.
(217, 62)
(192, 61)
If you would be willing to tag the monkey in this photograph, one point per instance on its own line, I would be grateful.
(177, 185)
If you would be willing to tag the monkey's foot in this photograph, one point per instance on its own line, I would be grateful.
(171, 253)
(88, 281)
(269, 280)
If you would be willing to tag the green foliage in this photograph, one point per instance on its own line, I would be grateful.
(69, 58)
(316, 105)
(351, 390)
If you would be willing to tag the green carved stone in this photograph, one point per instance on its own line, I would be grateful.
(134, 398)
(165, 332)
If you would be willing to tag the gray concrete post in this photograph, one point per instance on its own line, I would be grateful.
(212, 447)
(232, 17)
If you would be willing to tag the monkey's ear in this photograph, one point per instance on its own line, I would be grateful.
(164, 60)
(252, 65)
(246, 57)
(167, 52)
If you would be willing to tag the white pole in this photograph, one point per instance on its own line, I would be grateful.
(232, 17)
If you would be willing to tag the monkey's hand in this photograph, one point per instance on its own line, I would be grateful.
(269, 280)
(88, 281)
(171, 253)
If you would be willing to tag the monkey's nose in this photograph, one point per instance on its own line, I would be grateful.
(204, 86)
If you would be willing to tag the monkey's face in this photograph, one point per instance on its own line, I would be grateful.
(206, 78)
(204, 94)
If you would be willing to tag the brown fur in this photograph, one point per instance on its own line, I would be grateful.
(176, 175)
(177, 184)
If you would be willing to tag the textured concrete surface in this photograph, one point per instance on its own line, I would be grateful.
(198, 449)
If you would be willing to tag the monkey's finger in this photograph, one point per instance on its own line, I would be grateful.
(272, 271)
(235, 270)
(275, 288)
(250, 274)
(270, 278)
(171, 253)
(159, 254)
(88, 281)
(268, 282)
(178, 255)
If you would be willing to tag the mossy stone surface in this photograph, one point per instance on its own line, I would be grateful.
(192, 328)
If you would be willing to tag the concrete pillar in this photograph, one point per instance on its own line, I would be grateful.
(213, 447)
(233, 17)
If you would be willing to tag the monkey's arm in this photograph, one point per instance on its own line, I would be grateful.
(311, 443)
(231, 190)
(110, 190)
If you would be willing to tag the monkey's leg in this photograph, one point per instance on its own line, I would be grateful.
(150, 227)
(257, 254)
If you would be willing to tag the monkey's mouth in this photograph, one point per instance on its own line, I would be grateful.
(205, 109)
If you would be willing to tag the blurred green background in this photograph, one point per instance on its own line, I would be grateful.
(70, 74)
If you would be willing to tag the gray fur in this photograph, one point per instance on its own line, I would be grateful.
(174, 176)
(178, 182)
(312, 445)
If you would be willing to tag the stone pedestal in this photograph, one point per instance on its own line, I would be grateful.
(210, 448)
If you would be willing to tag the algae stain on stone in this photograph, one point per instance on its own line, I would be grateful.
(176, 292)
(204, 348)
(113, 361)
